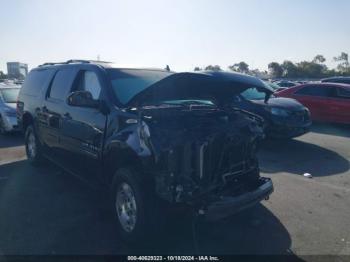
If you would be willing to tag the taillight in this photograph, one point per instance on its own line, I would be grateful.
(19, 107)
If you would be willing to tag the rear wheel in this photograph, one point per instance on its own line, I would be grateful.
(136, 208)
(33, 149)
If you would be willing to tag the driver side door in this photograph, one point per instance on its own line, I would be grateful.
(83, 130)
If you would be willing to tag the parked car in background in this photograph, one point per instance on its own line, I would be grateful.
(342, 80)
(8, 99)
(272, 85)
(150, 138)
(328, 102)
(284, 117)
(284, 84)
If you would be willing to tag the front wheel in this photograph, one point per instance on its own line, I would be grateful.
(33, 149)
(136, 208)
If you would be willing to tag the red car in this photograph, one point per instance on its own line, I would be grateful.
(327, 102)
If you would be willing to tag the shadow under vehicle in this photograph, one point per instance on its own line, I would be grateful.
(156, 139)
(48, 212)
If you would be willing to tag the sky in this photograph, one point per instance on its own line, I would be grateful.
(179, 33)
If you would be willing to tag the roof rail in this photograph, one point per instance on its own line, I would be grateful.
(74, 61)
(51, 63)
(85, 61)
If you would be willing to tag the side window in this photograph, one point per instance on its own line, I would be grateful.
(61, 84)
(343, 93)
(35, 81)
(314, 91)
(88, 81)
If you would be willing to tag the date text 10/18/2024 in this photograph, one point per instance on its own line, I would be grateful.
(173, 258)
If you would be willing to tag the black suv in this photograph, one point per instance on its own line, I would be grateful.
(155, 138)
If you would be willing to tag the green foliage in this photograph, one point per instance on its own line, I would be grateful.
(304, 69)
(2, 75)
(213, 68)
(343, 66)
(275, 70)
(241, 67)
(290, 69)
(319, 59)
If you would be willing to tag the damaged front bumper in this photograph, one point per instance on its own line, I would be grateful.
(226, 206)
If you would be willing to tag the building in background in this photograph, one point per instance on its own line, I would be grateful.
(17, 70)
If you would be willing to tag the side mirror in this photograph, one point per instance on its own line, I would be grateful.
(82, 99)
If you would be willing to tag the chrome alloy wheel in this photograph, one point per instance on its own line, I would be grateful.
(125, 204)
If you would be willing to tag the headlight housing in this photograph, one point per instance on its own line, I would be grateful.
(279, 111)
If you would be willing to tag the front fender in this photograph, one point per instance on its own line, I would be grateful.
(127, 148)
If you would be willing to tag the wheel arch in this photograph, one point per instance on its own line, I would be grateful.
(116, 158)
(27, 119)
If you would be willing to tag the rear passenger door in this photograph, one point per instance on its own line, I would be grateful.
(340, 105)
(53, 109)
(83, 129)
(316, 99)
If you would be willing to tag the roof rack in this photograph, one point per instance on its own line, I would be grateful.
(75, 61)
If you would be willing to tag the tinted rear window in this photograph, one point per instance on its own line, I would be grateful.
(343, 93)
(61, 83)
(36, 81)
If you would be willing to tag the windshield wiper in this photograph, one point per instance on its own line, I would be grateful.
(193, 102)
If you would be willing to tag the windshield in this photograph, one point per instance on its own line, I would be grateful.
(9, 94)
(253, 94)
(127, 83)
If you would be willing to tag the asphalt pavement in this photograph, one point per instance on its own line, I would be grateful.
(45, 211)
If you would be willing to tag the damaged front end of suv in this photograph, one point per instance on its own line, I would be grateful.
(197, 148)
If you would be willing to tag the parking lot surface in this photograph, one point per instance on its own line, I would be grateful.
(45, 211)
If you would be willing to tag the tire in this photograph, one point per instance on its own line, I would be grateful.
(32, 146)
(137, 211)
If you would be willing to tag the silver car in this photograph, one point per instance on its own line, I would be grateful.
(8, 98)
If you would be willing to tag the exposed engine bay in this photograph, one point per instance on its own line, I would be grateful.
(201, 149)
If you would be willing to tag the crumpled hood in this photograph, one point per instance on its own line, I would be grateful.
(281, 102)
(217, 86)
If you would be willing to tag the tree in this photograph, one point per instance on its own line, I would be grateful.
(289, 69)
(319, 59)
(2, 75)
(241, 67)
(343, 66)
(275, 69)
(311, 69)
(197, 69)
(213, 68)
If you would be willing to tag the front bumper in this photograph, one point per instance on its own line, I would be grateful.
(286, 128)
(230, 205)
